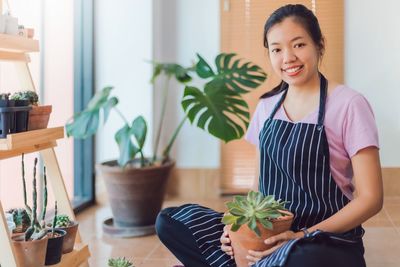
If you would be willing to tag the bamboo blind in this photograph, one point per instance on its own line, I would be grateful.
(242, 24)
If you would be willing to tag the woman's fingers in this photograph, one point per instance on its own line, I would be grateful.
(225, 241)
(254, 256)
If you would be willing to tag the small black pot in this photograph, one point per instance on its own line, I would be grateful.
(54, 247)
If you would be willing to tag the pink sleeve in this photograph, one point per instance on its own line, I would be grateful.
(359, 128)
(255, 126)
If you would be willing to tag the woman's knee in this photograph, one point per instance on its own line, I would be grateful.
(163, 222)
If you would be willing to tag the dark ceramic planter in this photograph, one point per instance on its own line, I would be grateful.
(54, 247)
(69, 238)
(136, 194)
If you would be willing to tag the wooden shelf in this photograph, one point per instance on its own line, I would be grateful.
(79, 255)
(18, 44)
(30, 141)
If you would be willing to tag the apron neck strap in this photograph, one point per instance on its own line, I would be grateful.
(322, 99)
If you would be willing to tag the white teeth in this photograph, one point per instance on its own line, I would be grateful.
(292, 70)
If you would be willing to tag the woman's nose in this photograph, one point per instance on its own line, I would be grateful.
(289, 56)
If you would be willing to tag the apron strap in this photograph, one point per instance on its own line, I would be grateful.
(322, 99)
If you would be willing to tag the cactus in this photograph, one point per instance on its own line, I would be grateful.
(27, 208)
(62, 221)
(120, 262)
(21, 219)
(35, 231)
(44, 194)
(54, 220)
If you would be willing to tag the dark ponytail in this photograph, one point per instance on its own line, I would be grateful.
(307, 19)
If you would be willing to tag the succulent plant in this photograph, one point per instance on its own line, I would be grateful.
(253, 208)
(21, 219)
(62, 221)
(120, 262)
(53, 228)
(31, 96)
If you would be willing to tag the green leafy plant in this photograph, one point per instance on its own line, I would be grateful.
(31, 96)
(217, 108)
(120, 262)
(252, 209)
(62, 221)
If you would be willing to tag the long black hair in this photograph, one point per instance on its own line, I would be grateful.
(303, 16)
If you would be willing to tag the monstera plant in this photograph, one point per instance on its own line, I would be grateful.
(217, 107)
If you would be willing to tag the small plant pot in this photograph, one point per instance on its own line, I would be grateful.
(245, 239)
(39, 117)
(69, 238)
(21, 117)
(9, 120)
(29, 253)
(54, 247)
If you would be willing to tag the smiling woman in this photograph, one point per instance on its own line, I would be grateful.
(297, 159)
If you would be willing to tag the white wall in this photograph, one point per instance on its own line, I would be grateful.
(123, 41)
(372, 66)
(183, 28)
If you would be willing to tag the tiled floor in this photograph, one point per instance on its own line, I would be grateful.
(382, 238)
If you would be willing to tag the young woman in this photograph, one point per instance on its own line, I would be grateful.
(318, 143)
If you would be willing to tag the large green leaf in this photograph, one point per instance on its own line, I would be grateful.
(86, 123)
(127, 150)
(181, 74)
(234, 74)
(139, 130)
(219, 111)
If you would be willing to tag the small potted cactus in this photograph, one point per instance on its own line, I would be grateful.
(21, 219)
(39, 115)
(120, 262)
(253, 219)
(30, 247)
(71, 227)
(55, 245)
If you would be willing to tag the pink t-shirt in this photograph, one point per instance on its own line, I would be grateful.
(349, 125)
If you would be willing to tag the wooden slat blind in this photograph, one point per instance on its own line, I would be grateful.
(242, 24)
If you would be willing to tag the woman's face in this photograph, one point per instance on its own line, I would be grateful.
(293, 54)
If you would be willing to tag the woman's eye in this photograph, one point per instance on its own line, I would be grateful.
(299, 45)
(275, 50)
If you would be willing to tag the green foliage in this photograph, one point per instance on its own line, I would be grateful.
(120, 262)
(217, 108)
(31, 96)
(62, 221)
(21, 218)
(251, 209)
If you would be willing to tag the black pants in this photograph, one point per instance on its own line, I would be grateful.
(322, 252)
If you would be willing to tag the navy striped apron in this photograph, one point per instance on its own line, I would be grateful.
(294, 166)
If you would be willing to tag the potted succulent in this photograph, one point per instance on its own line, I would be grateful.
(120, 262)
(136, 183)
(13, 115)
(30, 247)
(39, 114)
(252, 219)
(63, 222)
(55, 244)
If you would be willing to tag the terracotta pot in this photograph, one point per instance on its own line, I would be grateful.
(245, 239)
(69, 238)
(39, 117)
(136, 194)
(30, 253)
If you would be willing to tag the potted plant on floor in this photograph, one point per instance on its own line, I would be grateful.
(135, 183)
(39, 114)
(63, 222)
(252, 219)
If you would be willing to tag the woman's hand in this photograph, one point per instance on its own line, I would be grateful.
(226, 242)
(277, 241)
